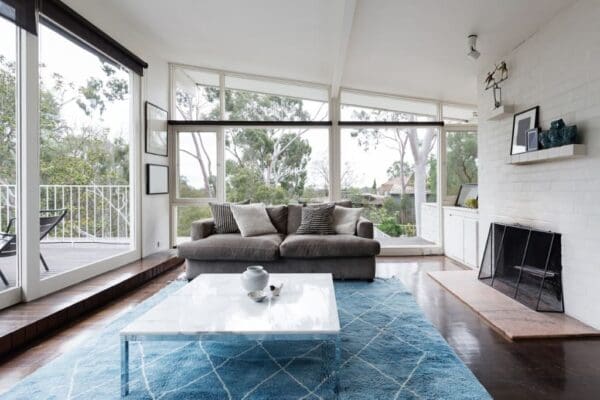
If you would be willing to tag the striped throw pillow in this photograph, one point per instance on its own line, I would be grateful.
(223, 217)
(317, 220)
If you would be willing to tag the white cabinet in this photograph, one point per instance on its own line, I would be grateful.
(461, 235)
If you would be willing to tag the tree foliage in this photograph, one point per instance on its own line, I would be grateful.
(70, 154)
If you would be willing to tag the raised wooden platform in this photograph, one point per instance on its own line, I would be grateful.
(22, 323)
(507, 316)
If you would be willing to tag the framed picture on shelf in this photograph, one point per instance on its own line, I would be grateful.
(466, 193)
(157, 179)
(523, 122)
(156, 130)
(532, 139)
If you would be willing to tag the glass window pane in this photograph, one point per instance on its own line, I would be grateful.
(366, 107)
(84, 156)
(8, 154)
(392, 173)
(459, 114)
(258, 100)
(197, 94)
(277, 166)
(185, 215)
(461, 154)
(197, 169)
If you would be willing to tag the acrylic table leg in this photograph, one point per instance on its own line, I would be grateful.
(124, 367)
(337, 364)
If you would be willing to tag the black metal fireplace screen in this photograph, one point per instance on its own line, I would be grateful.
(525, 264)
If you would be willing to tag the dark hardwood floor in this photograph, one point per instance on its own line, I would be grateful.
(540, 369)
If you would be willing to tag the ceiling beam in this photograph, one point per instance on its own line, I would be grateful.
(349, 8)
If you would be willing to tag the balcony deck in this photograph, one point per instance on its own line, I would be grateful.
(64, 256)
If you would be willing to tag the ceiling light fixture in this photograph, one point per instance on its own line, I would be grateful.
(472, 52)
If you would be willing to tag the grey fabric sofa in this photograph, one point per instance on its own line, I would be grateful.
(344, 256)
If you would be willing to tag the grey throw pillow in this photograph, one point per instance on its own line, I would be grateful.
(252, 219)
(317, 220)
(345, 219)
(223, 217)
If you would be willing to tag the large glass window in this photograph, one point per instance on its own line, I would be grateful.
(459, 114)
(8, 154)
(261, 100)
(277, 166)
(392, 173)
(461, 159)
(196, 165)
(85, 129)
(196, 94)
(358, 107)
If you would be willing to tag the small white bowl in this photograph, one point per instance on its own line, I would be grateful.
(257, 296)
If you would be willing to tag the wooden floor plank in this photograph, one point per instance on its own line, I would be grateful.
(24, 322)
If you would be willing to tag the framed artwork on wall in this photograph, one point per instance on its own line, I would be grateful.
(523, 122)
(157, 179)
(156, 130)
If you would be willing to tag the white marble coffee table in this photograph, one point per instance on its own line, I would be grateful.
(214, 307)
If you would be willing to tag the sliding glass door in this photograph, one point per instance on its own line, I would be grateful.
(85, 130)
(9, 154)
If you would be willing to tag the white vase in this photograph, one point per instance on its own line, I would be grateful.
(255, 278)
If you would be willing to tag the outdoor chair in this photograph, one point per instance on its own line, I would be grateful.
(8, 240)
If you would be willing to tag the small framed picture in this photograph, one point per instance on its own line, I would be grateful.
(532, 139)
(156, 130)
(157, 179)
(467, 191)
(522, 123)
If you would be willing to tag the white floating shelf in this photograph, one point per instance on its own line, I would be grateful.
(554, 153)
(501, 113)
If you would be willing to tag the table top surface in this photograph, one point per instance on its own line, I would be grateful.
(214, 304)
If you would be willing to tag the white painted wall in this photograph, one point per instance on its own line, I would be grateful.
(155, 88)
(558, 68)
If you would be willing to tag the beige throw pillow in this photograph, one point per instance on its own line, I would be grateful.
(345, 220)
(252, 219)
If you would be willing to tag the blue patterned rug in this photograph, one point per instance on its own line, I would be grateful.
(389, 351)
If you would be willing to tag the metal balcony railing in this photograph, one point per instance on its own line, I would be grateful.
(95, 213)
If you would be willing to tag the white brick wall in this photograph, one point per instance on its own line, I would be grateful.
(558, 69)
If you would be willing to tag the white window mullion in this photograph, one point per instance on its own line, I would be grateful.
(29, 167)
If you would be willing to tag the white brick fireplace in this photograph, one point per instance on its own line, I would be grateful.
(558, 68)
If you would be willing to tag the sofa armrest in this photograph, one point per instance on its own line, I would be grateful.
(364, 228)
(202, 228)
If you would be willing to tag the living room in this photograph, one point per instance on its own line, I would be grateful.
(295, 200)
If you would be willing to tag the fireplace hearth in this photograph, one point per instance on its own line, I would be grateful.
(525, 264)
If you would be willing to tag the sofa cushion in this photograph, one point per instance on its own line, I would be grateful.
(232, 246)
(252, 219)
(223, 217)
(318, 246)
(317, 220)
(294, 217)
(279, 217)
(345, 219)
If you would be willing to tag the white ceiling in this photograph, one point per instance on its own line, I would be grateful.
(408, 47)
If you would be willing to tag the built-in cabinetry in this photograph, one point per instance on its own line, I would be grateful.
(461, 235)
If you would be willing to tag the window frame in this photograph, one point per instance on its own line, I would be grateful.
(28, 176)
(334, 125)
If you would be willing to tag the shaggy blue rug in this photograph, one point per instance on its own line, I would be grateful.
(389, 351)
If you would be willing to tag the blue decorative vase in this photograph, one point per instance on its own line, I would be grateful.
(557, 124)
(568, 134)
(544, 139)
(554, 137)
